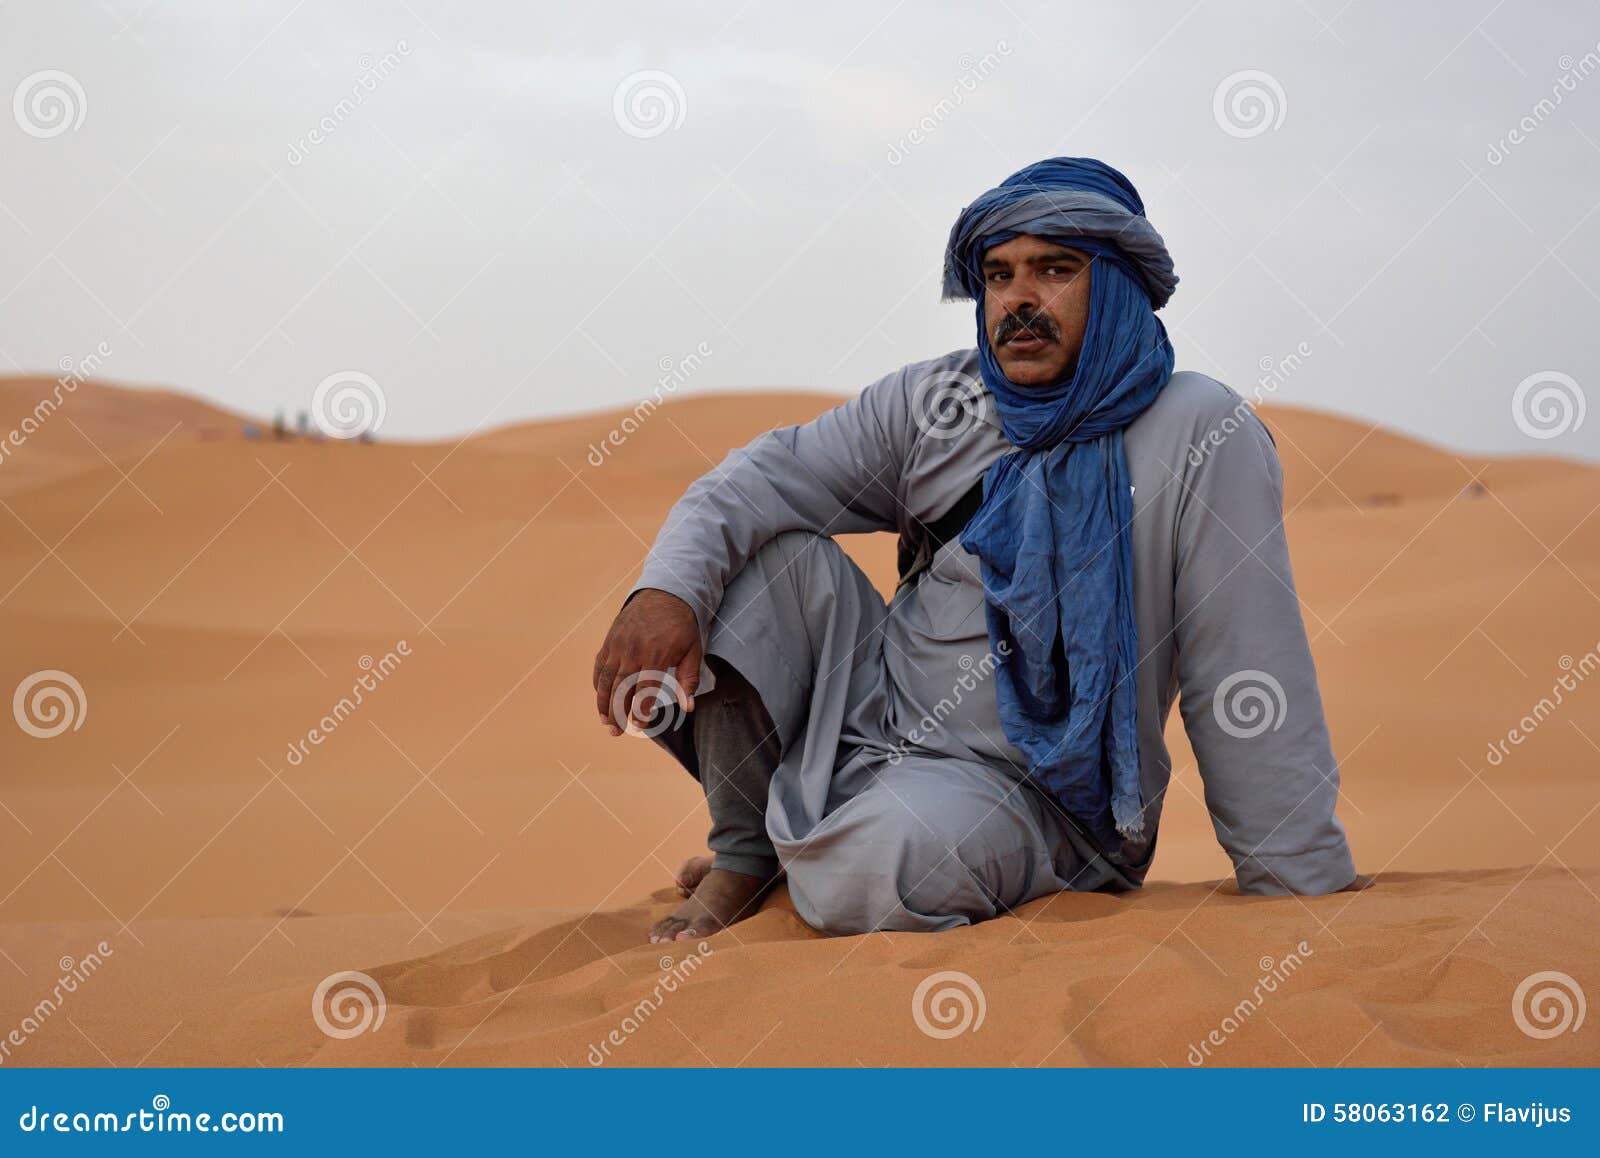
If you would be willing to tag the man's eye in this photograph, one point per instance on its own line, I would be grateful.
(996, 276)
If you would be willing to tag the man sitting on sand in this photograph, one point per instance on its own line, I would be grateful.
(1084, 536)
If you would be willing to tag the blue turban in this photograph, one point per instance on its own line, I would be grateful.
(1053, 532)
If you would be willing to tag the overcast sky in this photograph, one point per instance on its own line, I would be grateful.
(495, 229)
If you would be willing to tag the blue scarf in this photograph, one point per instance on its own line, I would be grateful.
(1053, 532)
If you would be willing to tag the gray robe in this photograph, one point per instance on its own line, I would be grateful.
(898, 802)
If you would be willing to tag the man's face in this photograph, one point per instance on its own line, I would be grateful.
(1035, 308)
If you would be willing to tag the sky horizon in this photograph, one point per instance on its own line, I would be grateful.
(492, 214)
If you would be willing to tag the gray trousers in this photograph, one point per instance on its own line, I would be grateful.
(790, 747)
(731, 746)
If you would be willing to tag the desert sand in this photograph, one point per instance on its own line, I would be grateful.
(473, 841)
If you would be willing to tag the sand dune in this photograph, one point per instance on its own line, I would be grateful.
(473, 842)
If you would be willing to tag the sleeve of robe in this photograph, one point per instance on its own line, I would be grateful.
(837, 474)
(1270, 778)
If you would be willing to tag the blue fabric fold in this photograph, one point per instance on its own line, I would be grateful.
(1053, 533)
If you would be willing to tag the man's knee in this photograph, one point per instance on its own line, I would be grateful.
(770, 579)
(796, 589)
(790, 551)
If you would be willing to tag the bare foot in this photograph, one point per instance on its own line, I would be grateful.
(689, 876)
(719, 899)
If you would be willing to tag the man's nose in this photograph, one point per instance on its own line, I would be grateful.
(1021, 295)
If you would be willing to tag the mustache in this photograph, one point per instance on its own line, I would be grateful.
(1036, 325)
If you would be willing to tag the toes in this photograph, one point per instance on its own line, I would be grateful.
(667, 929)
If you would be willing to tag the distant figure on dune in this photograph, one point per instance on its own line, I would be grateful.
(1084, 535)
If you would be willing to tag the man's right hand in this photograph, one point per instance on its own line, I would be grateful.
(654, 644)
